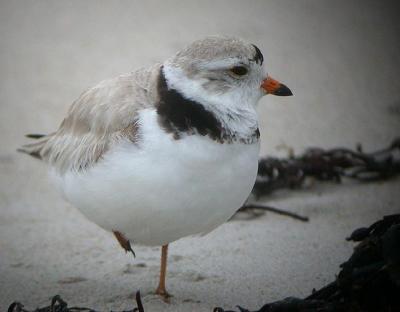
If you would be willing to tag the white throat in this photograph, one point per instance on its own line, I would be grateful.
(235, 110)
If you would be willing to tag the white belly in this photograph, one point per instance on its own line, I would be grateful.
(164, 189)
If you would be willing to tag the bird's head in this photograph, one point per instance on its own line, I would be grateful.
(221, 72)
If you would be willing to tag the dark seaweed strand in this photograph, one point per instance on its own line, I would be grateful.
(180, 115)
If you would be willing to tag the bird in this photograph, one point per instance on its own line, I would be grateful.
(167, 151)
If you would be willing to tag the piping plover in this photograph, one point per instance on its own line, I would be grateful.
(164, 152)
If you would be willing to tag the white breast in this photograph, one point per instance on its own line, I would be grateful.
(164, 189)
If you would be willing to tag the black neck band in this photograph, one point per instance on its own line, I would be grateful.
(178, 114)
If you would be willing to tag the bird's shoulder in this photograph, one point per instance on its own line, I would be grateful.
(100, 116)
(113, 103)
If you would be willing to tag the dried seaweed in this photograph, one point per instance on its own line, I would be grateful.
(59, 305)
(321, 165)
(327, 165)
(252, 206)
(368, 282)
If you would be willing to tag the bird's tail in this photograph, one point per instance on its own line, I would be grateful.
(34, 149)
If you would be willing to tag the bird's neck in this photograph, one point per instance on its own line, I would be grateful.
(184, 109)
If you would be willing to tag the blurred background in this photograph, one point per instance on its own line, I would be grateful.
(341, 59)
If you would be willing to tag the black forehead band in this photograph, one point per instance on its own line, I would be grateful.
(259, 57)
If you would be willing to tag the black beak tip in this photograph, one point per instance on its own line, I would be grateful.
(283, 91)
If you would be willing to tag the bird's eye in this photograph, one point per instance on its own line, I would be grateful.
(239, 70)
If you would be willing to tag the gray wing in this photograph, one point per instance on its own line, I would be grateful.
(101, 116)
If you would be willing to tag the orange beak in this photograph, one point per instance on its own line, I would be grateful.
(272, 86)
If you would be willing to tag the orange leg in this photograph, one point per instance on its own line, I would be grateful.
(161, 291)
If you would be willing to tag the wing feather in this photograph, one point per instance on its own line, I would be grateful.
(101, 116)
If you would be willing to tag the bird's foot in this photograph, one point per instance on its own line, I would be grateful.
(165, 296)
(124, 242)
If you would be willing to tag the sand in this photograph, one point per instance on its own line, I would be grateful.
(341, 61)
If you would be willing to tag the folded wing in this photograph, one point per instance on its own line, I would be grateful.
(100, 117)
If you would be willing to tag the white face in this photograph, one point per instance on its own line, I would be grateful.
(232, 77)
(231, 82)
